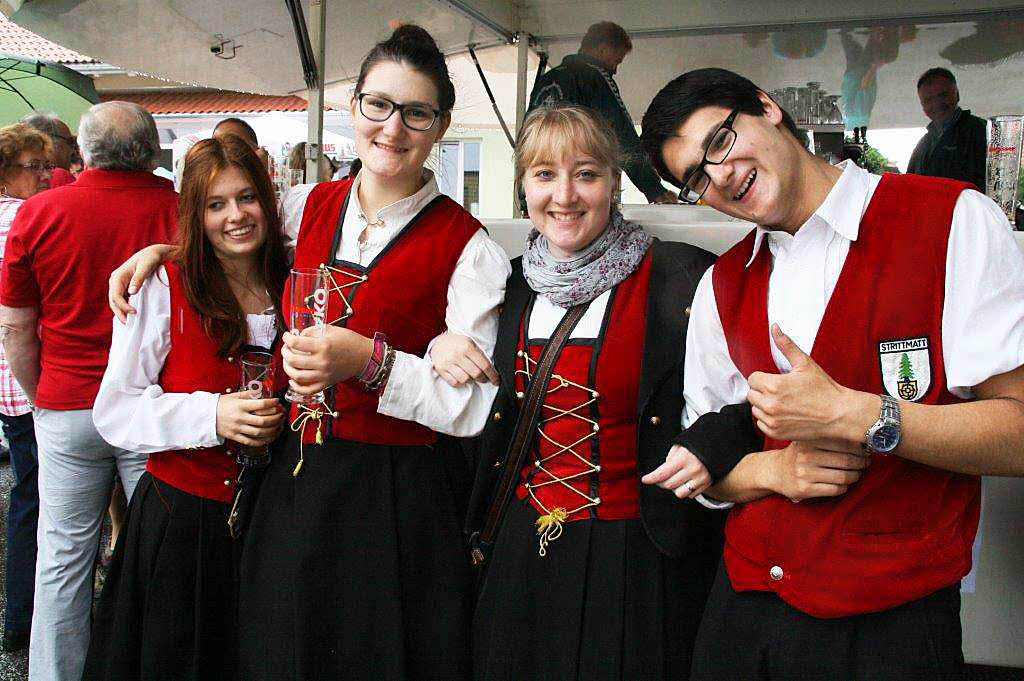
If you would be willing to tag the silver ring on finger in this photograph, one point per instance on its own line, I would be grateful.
(689, 486)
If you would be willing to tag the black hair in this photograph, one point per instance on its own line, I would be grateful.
(410, 44)
(932, 74)
(694, 90)
(606, 33)
(249, 132)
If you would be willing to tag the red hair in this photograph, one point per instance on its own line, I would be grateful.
(206, 285)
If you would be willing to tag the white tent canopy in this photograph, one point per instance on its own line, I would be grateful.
(776, 43)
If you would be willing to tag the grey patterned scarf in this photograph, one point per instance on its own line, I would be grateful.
(609, 259)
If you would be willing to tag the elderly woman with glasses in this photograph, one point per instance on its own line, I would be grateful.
(24, 171)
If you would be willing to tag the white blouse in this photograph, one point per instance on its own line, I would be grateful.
(131, 410)
(414, 391)
(982, 314)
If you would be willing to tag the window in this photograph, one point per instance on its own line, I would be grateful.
(458, 173)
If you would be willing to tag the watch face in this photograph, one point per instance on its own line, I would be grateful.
(885, 438)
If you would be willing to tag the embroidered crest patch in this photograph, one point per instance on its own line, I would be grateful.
(906, 367)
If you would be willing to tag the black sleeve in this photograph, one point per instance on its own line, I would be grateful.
(916, 162)
(604, 97)
(975, 154)
(720, 439)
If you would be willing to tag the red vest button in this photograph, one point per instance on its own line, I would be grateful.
(776, 573)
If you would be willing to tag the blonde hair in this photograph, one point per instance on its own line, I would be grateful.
(17, 138)
(551, 133)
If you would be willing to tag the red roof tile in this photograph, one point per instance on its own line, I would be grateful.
(207, 101)
(21, 42)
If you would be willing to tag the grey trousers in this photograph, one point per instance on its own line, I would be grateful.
(76, 471)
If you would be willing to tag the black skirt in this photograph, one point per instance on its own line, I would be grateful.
(168, 607)
(603, 604)
(356, 568)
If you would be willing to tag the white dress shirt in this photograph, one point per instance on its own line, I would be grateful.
(131, 410)
(983, 309)
(414, 392)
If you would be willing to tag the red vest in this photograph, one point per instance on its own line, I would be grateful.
(192, 364)
(404, 295)
(905, 529)
(571, 448)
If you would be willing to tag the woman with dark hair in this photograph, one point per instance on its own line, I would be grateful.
(169, 605)
(354, 566)
(587, 572)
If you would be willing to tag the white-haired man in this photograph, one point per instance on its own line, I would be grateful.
(62, 247)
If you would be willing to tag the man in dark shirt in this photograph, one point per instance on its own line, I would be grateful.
(955, 143)
(585, 78)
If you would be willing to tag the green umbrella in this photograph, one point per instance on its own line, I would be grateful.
(29, 84)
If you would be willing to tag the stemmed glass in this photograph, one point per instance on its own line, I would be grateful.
(308, 310)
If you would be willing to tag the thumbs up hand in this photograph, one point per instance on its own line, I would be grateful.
(805, 404)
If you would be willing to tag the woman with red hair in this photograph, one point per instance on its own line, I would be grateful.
(170, 601)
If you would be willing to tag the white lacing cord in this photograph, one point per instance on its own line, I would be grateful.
(549, 525)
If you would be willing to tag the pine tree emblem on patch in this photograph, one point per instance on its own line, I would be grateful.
(906, 367)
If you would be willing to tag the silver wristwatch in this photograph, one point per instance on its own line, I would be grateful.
(885, 434)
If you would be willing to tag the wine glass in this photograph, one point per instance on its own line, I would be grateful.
(307, 310)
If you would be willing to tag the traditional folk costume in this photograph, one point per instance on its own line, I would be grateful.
(593, 574)
(354, 565)
(168, 607)
(914, 292)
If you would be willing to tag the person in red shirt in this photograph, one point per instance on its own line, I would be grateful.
(866, 320)
(61, 249)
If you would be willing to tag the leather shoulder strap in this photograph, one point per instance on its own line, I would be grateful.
(522, 435)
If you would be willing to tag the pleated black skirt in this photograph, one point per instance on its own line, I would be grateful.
(603, 605)
(355, 568)
(168, 607)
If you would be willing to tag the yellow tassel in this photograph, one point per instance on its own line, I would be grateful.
(319, 432)
(306, 414)
(549, 527)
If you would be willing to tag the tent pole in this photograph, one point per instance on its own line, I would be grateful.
(315, 98)
(522, 63)
(490, 95)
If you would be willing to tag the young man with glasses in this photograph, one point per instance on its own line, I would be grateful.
(908, 293)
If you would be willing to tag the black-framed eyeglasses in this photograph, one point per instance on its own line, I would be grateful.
(37, 166)
(697, 180)
(419, 117)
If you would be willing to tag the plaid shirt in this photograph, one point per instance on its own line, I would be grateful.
(13, 401)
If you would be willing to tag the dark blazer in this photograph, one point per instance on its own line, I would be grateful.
(959, 153)
(670, 523)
